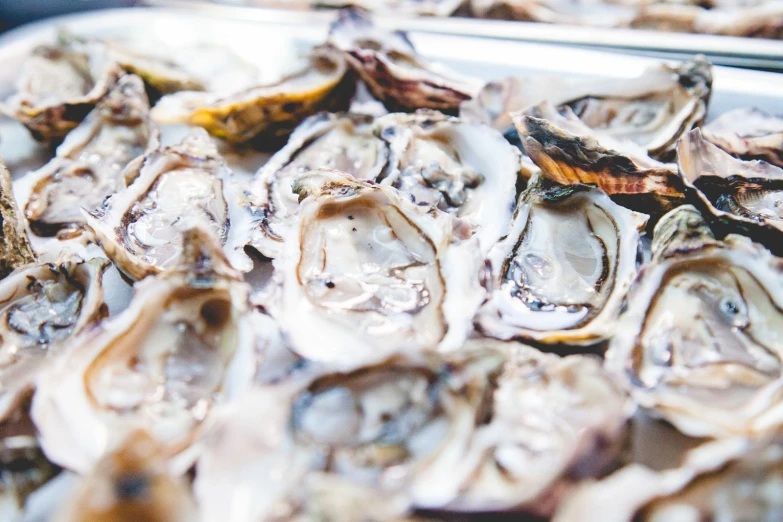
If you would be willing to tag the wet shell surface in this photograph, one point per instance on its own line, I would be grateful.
(748, 134)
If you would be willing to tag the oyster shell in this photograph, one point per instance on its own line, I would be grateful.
(265, 112)
(748, 134)
(467, 170)
(568, 152)
(41, 307)
(699, 343)
(15, 250)
(561, 274)
(398, 7)
(130, 485)
(25, 469)
(761, 21)
(141, 227)
(491, 426)
(393, 71)
(365, 273)
(58, 87)
(180, 347)
(571, 12)
(743, 196)
(340, 141)
(90, 163)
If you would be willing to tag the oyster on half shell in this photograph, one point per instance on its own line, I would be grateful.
(25, 470)
(561, 274)
(344, 142)
(58, 87)
(90, 164)
(748, 134)
(569, 152)
(366, 273)
(41, 307)
(15, 249)
(175, 188)
(651, 110)
(269, 112)
(743, 196)
(393, 71)
(489, 427)
(467, 170)
(699, 344)
(182, 345)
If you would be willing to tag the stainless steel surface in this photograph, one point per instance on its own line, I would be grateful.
(722, 50)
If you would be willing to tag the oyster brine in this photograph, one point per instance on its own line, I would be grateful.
(449, 432)
(175, 188)
(90, 164)
(561, 274)
(265, 113)
(699, 343)
(181, 346)
(366, 273)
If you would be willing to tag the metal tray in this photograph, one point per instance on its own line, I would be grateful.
(755, 53)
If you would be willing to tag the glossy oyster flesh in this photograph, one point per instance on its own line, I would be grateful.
(748, 134)
(561, 274)
(267, 112)
(132, 483)
(699, 343)
(393, 71)
(568, 152)
(41, 307)
(742, 196)
(467, 170)
(160, 365)
(15, 250)
(651, 110)
(366, 273)
(492, 426)
(58, 87)
(90, 164)
(141, 227)
(343, 142)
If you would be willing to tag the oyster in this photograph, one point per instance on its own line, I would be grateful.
(58, 87)
(393, 71)
(340, 141)
(90, 163)
(25, 469)
(399, 7)
(467, 170)
(561, 274)
(761, 21)
(568, 152)
(492, 426)
(182, 345)
(748, 134)
(699, 343)
(265, 112)
(141, 227)
(130, 485)
(366, 273)
(571, 12)
(41, 307)
(15, 251)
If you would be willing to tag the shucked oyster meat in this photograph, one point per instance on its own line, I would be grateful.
(393, 71)
(492, 426)
(699, 343)
(366, 273)
(569, 152)
(343, 142)
(561, 274)
(58, 87)
(651, 110)
(748, 134)
(15, 250)
(739, 196)
(467, 170)
(41, 307)
(90, 164)
(160, 365)
(264, 113)
(175, 188)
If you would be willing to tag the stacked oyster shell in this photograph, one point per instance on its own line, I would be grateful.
(400, 316)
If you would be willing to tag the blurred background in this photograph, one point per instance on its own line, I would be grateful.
(16, 12)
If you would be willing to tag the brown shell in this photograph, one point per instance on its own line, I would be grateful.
(15, 250)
